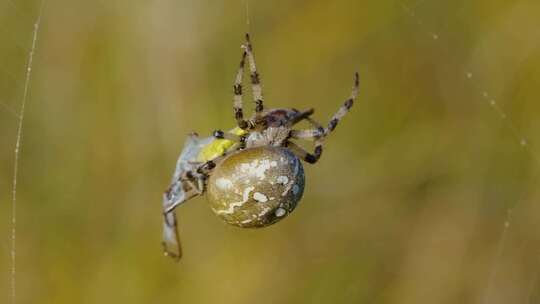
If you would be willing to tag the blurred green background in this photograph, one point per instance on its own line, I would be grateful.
(423, 195)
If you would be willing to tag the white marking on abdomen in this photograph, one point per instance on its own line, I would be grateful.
(223, 183)
(282, 179)
(280, 212)
(259, 197)
(245, 198)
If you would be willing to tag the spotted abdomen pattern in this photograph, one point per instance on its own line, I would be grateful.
(256, 187)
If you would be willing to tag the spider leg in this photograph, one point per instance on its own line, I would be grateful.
(303, 154)
(237, 89)
(344, 108)
(206, 168)
(317, 133)
(255, 79)
(302, 115)
(310, 134)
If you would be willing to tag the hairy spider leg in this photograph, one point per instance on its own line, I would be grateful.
(302, 115)
(237, 90)
(303, 154)
(344, 109)
(206, 168)
(255, 80)
(319, 133)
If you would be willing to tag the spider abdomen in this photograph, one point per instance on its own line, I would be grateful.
(256, 187)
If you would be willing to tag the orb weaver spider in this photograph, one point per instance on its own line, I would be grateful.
(252, 173)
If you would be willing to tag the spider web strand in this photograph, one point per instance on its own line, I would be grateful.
(522, 141)
(17, 155)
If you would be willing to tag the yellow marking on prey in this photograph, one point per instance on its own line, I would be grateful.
(218, 146)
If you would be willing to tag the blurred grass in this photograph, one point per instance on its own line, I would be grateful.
(407, 205)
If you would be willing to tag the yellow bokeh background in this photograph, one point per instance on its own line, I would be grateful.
(426, 193)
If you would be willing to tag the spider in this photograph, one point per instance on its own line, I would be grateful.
(234, 165)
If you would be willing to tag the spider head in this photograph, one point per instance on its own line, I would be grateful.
(273, 127)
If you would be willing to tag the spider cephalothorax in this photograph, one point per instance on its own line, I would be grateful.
(252, 173)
